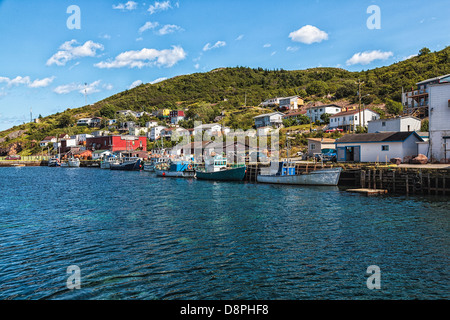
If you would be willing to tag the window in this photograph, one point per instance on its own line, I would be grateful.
(385, 148)
(383, 124)
(313, 146)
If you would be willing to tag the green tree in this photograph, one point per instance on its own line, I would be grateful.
(425, 126)
(325, 117)
(424, 51)
(394, 107)
(108, 111)
(317, 88)
(65, 120)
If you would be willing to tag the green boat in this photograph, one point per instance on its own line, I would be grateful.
(216, 169)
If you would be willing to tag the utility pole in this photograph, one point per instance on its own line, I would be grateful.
(359, 83)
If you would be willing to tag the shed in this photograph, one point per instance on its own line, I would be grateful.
(375, 147)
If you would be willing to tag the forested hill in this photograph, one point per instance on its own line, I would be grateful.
(252, 86)
(225, 90)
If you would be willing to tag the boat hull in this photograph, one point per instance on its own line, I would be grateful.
(327, 177)
(234, 174)
(127, 166)
(175, 174)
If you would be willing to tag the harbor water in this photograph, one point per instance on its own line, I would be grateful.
(137, 236)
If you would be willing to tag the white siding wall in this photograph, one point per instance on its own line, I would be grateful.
(394, 125)
(439, 120)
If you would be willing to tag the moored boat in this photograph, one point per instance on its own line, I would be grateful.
(175, 169)
(54, 162)
(216, 169)
(286, 174)
(128, 164)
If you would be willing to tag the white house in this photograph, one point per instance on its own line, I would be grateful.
(274, 119)
(211, 129)
(84, 122)
(271, 102)
(137, 131)
(99, 154)
(350, 120)
(47, 140)
(290, 103)
(155, 132)
(377, 147)
(314, 113)
(398, 124)
(151, 124)
(439, 125)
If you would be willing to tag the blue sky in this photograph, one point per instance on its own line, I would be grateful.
(45, 65)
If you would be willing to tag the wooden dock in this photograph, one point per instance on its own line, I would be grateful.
(368, 192)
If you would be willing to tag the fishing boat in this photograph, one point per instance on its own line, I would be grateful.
(127, 164)
(175, 169)
(106, 162)
(71, 163)
(216, 169)
(54, 162)
(151, 165)
(286, 174)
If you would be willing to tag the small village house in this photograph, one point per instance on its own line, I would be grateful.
(314, 113)
(47, 140)
(274, 119)
(176, 116)
(99, 154)
(316, 145)
(155, 133)
(351, 119)
(397, 124)
(84, 122)
(290, 103)
(377, 147)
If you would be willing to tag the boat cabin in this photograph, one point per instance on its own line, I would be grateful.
(215, 164)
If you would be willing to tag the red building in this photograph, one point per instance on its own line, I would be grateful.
(117, 143)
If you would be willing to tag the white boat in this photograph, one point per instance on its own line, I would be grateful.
(54, 162)
(286, 175)
(71, 163)
(106, 162)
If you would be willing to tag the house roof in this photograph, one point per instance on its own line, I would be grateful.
(268, 115)
(350, 112)
(395, 118)
(324, 106)
(378, 137)
(433, 79)
(324, 140)
(49, 138)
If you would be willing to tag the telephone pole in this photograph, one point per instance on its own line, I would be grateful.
(359, 83)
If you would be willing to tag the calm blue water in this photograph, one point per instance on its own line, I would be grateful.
(137, 236)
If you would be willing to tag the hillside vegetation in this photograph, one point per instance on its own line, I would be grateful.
(228, 92)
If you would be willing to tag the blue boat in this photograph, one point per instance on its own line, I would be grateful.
(176, 169)
(216, 169)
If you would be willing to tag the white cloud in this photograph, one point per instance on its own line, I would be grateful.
(308, 35)
(69, 52)
(409, 57)
(38, 83)
(41, 83)
(158, 80)
(135, 84)
(81, 88)
(218, 44)
(240, 37)
(159, 6)
(267, 45)
(368, 56)
(197, 66)
(169, 28)
(148, 25)
(145, 58)
(130, 5)
(292, 49)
